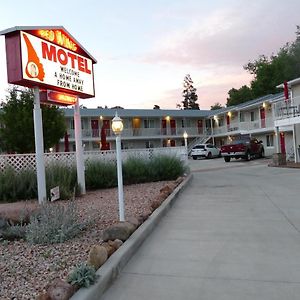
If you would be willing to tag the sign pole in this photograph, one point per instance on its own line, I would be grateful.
(79, 149)
(39, 147)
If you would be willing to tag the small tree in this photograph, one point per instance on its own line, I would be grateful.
(189, 94)
(17, 127)
(217, 105)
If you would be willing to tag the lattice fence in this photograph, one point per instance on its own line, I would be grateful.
(20, 162)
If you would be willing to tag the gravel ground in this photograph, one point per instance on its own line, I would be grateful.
(25, 270)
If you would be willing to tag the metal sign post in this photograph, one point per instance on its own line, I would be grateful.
(39, 147)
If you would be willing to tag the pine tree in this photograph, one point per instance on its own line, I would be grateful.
(189, 94)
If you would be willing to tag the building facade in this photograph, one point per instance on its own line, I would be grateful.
(272, 119)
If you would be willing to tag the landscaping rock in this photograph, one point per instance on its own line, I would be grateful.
(109, 248)
(97, 256)
(135, 221)
(116, 244)
(156, 203)
(179, 180)
(167, 189)
(121, 231)
(59, 290)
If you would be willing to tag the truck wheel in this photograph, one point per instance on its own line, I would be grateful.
(209, 155)
(248, 156)
(227, 158)
(194, 157)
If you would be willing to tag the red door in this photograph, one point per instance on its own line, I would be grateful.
(173, 127)
(163, 127)
(200, 126)
(95, 128)
(282, 143)
(173, 144)
(262, 117)
(228, 122)
(106, 126)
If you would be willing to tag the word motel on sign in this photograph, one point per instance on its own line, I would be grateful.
(64, 57)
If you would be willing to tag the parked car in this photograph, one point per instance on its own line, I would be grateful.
(243, 147)
(205, 150)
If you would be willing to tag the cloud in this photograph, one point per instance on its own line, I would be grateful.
(228, 36)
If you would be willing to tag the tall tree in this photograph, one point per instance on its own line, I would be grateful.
(217, 105)
(268, 72)
(17, 128)
(189, 94)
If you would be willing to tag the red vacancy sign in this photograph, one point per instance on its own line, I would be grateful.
(49, 58)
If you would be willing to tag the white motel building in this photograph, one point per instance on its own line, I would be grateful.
(272, 119)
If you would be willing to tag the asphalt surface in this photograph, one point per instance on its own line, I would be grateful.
(233, 233)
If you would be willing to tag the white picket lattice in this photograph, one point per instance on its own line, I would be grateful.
(20, 162)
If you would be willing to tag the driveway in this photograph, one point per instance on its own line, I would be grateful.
(234, 233)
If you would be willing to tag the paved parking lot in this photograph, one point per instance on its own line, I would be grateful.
(234, 233)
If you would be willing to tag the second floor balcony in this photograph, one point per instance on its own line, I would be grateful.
(136, 133)
(240, 127)
(287, 109)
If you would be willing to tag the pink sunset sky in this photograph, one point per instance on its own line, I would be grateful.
(145, 48)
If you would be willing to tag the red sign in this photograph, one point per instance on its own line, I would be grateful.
(52, 97)
(49, 58)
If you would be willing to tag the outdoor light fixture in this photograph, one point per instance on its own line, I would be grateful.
(185, 136)
(168, 118)
(117, 127)
(229, 114)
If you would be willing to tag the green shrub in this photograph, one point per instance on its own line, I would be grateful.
(54, 223)
(165, 167)
(62, 176)
(83, 275)
(15, 186)
(14, 232)
(100, 175)
(135, 170)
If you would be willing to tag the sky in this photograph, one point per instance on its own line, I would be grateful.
(144, 49)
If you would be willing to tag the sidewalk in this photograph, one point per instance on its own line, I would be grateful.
(232, 234)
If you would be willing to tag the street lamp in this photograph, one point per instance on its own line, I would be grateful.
(117, 127)
(185, 136)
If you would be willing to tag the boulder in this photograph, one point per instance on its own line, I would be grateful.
(97, 256)
(156, 203)
(167, 189)
(136, 221)
(59, 290)
(109, 248)
(121, 231)
(179, 180)
(116, 244)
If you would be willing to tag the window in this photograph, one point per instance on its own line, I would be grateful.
(148, 123)
(221, 122)
(242, 117)
(149, 144)
(252, 116)
(72, 126)
(270, 140)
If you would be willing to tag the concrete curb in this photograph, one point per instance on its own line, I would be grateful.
(113, 266)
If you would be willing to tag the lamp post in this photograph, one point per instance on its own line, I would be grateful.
(185, 136)
(117, 127)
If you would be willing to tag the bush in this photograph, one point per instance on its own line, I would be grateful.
(54, 223)
(82, 276)
(64, 177)
(135, 170)
(14, 232)
(15, 186)
(100, 175)
(165, 167)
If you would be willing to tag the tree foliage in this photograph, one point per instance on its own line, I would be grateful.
(17, 127)
(269, 72)
(189, 94)
(216, 106)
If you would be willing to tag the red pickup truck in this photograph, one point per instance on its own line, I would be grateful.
(243, 147)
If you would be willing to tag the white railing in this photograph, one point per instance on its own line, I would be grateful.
(244, 126)
(21, 162)
(287, 109)
(138, 132)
